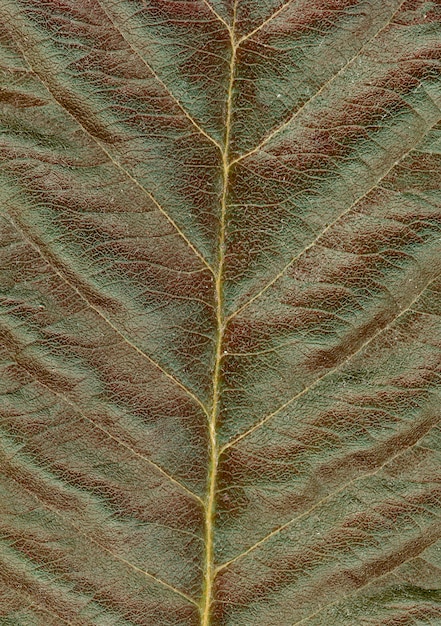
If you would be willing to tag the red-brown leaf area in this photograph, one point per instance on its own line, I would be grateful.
(220, 312)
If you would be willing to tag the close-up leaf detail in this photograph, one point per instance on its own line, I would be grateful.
(220, 312)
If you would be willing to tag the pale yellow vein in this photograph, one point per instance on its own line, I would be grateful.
(216, 14)
(210, 506)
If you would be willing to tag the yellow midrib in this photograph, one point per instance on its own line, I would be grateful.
(210, 503)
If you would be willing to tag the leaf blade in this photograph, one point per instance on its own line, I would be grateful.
(220, 301)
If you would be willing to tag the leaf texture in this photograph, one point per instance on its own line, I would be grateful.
(220, 315)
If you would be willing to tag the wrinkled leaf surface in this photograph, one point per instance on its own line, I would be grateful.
(220, 261)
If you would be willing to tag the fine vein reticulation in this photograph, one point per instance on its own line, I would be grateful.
(220, 312)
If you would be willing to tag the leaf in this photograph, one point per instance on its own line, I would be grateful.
(220, 312)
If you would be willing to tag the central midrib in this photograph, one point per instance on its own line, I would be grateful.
(210, 502)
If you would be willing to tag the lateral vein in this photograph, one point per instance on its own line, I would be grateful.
(28, 595)
(327, 498)
(307, 389)
(216, 14)
(329, 226)
(66, 280)
(265, 22)
(160, 81)
(161, 582)
(297, 113)
(117, 440)
(117, 164)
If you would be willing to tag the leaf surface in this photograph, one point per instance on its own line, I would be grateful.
(220, 283)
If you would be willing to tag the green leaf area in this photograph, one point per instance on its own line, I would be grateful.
(220, 312)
